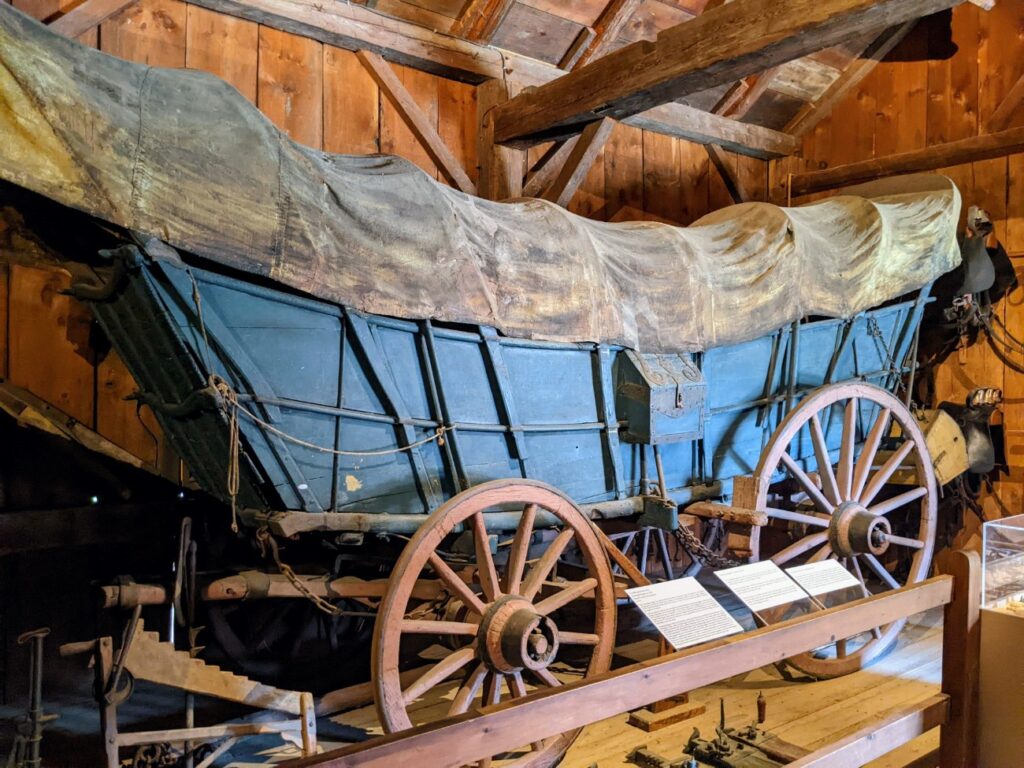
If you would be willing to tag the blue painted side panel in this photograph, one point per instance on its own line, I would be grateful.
(351, 384)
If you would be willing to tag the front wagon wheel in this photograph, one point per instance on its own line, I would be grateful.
(496, 626)
(871, 504)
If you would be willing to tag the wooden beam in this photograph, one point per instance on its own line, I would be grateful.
(467, 738)
(1007, 107)
(546, 169)
(87, 15)
(816, 111)
(702, 127)
(417, 122)
(501, 169)
(939, 156)
(607, 28)
(732, 184)
(718, 47)
(879, 738)
(480, 19)
(577, 165)
(357, 28)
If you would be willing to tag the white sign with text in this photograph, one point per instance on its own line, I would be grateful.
(684, 612)
(761, 585)
(823, 577)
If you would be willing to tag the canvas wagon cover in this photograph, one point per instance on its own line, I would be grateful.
(182, 156)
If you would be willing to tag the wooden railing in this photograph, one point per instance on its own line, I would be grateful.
(469, 738)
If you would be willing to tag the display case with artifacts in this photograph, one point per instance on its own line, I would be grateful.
(1002, 635)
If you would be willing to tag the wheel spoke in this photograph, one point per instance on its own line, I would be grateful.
(517, 689)
(460, 588)
(438, 673)
(565, 596)
(429, 627)
(468, 691)
(797, 548)
(822, 554)
(516, 686)
(666, 560)
(797, 517)
(860, 576)
(846, 449)
(902, 541)
(644, 551)
(898, 501)
(828, 477)
(484, 560)
(545, 676)
(809, 486)
(880, 570)
(540, 570)
(577, 638)
(492, 688)
(520, 549)
(867, 456)
(882, 476)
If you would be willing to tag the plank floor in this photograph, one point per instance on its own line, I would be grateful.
(809, 714)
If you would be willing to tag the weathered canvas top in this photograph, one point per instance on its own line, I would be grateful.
(183, 156)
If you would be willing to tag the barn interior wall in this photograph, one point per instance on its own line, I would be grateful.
(920, 96)
(322, 97)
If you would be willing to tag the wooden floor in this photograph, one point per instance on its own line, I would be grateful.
(809, 714)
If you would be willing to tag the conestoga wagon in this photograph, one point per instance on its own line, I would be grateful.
(341, 349)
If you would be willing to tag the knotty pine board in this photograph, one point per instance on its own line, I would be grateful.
(223, 46)
(289, 87)
(351, 105)
(49, 341)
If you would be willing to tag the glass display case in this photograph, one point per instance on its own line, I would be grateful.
(1003, 564)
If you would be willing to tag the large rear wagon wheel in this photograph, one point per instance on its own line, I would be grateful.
(500, 624)
(849, 511)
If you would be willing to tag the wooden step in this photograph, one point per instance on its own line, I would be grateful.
(149, 658)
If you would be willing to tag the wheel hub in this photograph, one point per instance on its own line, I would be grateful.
(853, 530)
(513, 636)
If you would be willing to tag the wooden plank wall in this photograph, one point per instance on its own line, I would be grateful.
(921, 96)
(322, 97)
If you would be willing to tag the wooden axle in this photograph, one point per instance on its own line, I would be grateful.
(250, 585)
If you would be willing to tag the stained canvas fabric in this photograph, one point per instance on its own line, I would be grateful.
(182, 156)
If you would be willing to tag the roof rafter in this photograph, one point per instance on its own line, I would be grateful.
(816, 111)
(607, 29)
(480, 19)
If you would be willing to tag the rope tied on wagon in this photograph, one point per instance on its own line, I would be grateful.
(228, 401)
(227, 398)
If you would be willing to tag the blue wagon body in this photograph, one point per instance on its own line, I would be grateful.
(582, 417)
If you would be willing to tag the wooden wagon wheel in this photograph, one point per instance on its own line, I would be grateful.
(505, 624)
(844, 516)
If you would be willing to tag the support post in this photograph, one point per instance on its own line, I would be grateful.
(501, 169)
(108, 712)
(961, 651)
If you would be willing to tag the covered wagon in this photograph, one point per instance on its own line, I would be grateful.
(344, 350)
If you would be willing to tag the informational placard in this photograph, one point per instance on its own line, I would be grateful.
(684, 612)
(761, 585)
(823, 577)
